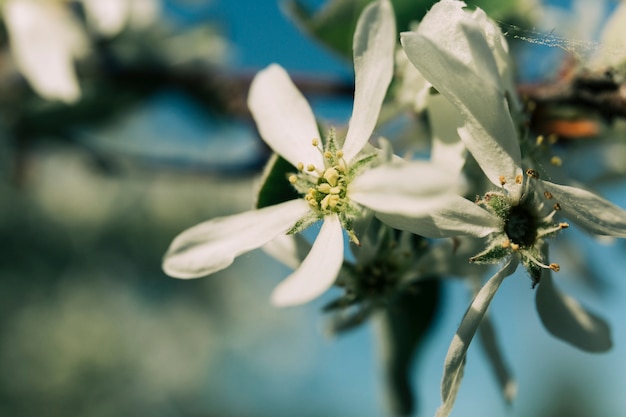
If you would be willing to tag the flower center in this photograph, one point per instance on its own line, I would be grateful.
(327, 192)
(520, 225)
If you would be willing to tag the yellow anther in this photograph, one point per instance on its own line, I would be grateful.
(514, 247)
(502, 180)
(563, 225)
(553, 138)
(333, 200)
(519, 179)
(310, 167)
(325, 202)
(506, 244)
(339, 154)
(548, 195)
(331, 175)
(556, 161)
(532, 173)
(315, 142)
(293, 179)
(300, 166)
(556, 207)
(540, 139)
(324, 188)
(555, 267)
(327, 154)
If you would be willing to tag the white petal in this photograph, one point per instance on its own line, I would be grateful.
(411, 188)
(318, 270)
(374, 45)
(489, 133)
(458, 217)
(213, 245)
(45, 40)
(448, 150)
(455, 358)
(566, 319)
(290, 250)
(283, 116)
(611, 52)
(588, 210)
(107, 17)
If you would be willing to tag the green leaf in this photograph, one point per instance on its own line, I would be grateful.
(275, 187)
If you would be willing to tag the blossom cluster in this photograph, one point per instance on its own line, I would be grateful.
(484, 191)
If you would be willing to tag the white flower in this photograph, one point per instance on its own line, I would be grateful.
(335, 186)
(46, 39)
(459, 53)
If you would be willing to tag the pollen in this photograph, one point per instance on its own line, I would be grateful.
(519, 179)
(293, 179)
(502, 180)
(556, 161)
(310, 167)
(555, 267)
(315, 142)
(514, 247)
(532, 173)
(332, 176)
(300, 166)
(506, 244)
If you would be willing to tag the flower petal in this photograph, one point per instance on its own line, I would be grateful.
(319, 269)
(411, 188)
(290, 250)
(448, 150)
(45, 40)
(107, 17)
(588, 210)
(566, 319)
(213, 245)
(489, 132)
(455, 358)
(457, 217)
(374, 48)
(283, 116)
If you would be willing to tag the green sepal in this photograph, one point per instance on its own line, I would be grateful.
(304, 223)
(531, 267)
(494, 253)
(498, 204)
(357, 167)
(275, 187)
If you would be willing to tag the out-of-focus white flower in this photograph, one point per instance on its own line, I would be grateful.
(46, 39)
(110, 17)
(463, 58)
(612, 50)
(334, 181)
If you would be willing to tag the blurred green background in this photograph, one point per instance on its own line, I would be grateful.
(91, 326)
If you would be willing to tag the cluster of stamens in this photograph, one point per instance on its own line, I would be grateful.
(523, 227)
(327, 191)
